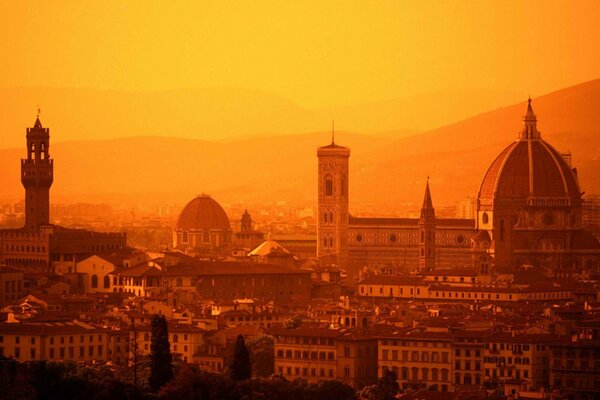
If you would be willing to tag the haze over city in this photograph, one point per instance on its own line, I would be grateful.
(347, 200)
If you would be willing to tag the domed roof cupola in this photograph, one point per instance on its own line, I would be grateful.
(202, 213)
(528, 169)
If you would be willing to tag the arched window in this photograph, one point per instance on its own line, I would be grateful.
(328, 185)
(94, 281)
(330, 241)
(32, 151)
(179, 282)
(106, 282)
(185, 238)
(175, 338)
(325, 217)
(331, 216)
(422, 236)
(43, 150)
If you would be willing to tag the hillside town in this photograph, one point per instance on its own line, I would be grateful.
(501, 304)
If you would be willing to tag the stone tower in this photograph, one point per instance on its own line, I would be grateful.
(332, 225)
(427, 233)
(37, 174)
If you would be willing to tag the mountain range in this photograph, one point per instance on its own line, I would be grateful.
(388, 169)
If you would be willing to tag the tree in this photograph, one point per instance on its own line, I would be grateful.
(240, 368)
(262, 355)
(386, 388)
(161, 367)
(293, 322)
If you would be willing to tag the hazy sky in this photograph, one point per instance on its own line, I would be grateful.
(312, 52)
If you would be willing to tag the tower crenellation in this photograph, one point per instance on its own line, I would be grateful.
(37, 175)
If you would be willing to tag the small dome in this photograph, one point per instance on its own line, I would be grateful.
(202, 213)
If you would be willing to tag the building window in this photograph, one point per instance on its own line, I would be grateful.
(94, 281)
(106, 282)
(328, 186)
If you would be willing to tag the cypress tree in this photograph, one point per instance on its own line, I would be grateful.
(161, 368)
(240, 367)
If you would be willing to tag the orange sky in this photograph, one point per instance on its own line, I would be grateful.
(315, 53)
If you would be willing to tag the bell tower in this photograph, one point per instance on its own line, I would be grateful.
(37, 175)
(332, 225)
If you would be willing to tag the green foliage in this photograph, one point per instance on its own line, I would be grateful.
(262, 355)
(54, 381)
(293, 322)
(161, 360)
(190, 384)
(386, 388)
(240, 367)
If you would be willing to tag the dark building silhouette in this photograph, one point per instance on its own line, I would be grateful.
(40, 244)
(529, 212)
(37, 175)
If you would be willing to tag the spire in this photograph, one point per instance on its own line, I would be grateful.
(427, 210)
(529, 130)
(37, 123)
(332, 131)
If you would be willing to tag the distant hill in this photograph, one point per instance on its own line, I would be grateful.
(456, 156)
(157, 169)
(221, 113)
(385, 171)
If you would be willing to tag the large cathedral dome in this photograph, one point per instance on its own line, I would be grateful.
(529, 168)
(202, 213)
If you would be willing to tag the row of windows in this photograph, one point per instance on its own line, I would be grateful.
(570, 364)
(23, 248)
(63, 353)
(410, 343)
(314, 372)
(467, 365)
(12, 286)
(424, 374)
(507, 360)
(32, 339)
(508, 373)
(467, 352)
(306, 340)
(423, 356)
(306, 355)
(513, 347)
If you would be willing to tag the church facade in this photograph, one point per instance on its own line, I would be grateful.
(405, 243)
(529, 212)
